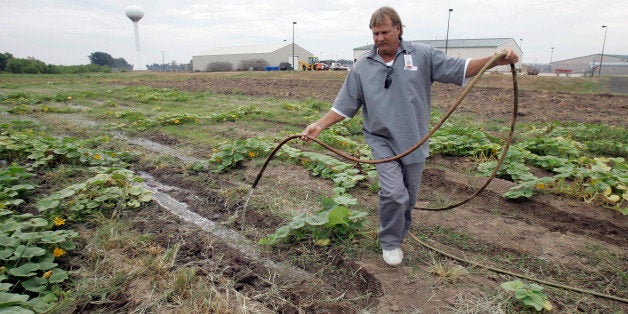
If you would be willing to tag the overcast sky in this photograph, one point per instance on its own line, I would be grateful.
(66, 32)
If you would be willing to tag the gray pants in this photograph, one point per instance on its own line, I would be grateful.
(399, 188)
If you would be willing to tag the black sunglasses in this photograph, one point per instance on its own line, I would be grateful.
(388, 81)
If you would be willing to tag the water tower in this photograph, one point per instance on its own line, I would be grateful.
(135, 13)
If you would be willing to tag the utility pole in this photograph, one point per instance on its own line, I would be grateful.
(599, 73)
(294, 66)
(550, 63)
(447, 38)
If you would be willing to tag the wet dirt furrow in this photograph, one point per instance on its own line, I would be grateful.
(252, 273)
(592, 221)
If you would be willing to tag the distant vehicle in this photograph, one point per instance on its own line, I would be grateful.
(335, 66)
(313, 64)
(285, 66)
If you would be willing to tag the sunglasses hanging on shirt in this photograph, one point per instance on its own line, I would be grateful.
(388, 81)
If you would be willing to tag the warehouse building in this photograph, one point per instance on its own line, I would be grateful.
(589, 65)
(246, 57)
(465, 48)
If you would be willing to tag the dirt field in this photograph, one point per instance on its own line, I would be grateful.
(548, 237)
(534, 105)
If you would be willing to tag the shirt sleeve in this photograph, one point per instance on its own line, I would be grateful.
(349, 99)
(465, 79)
(340, 112)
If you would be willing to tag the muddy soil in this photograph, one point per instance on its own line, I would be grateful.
(550, 237)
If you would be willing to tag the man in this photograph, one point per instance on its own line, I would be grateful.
(391, 84)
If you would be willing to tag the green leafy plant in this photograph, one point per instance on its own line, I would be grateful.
(333, 222)
(12, 186)
(344, 175)
(513, 168)
(146, 94)
(29, 277)
(339, 142)
(233, 115)
(463, 141)
(177, 119)
(531, 295)
(36, 150)
(229, 156)
(108, 192)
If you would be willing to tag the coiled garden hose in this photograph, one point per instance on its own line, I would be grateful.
(464, 93)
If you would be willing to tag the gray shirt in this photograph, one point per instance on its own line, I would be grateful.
(396, 118)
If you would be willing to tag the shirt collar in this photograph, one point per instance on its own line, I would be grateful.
(403, 47)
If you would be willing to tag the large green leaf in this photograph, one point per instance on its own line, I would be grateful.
(6, 253)
(43, 303)
(26, 270)
(5, 286)
(7, 299)
(58, 275)
(35, 284)
(338, 216)
(47, 203)
(10, 225)
(298, 221)
(15, 310)
(29, 251)
(7, 241)
(36, 222)
(318, 219)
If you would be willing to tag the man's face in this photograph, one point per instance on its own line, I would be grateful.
(386, 37)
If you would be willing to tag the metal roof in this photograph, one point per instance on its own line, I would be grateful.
(597, 55)
(250, 49)
(455, 43)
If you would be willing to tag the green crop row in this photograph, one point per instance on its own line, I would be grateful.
(32, 247)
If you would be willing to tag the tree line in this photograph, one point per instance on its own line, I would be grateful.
(99, 62)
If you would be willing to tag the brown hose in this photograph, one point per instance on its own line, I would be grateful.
(424, 139)
(499, 163)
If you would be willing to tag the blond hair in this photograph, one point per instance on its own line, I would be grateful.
(379, 18)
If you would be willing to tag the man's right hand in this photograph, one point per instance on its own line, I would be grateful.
(311, 131)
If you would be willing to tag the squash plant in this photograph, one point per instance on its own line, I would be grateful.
(333, 222)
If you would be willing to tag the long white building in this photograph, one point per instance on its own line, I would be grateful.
(612, 64)
(271, 54)
(466, 48)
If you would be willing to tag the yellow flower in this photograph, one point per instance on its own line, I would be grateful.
(97, 157)
(252, 154)
(69, 97)
(59, 221)
(540, 186)
(176, 121)
(47, 274)
(58, 252)
(218, 160)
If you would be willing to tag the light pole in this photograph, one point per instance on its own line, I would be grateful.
(447, 38)
(294, 66)
(599, 73)
(163, 59)
(551, 56)
(521, 47)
